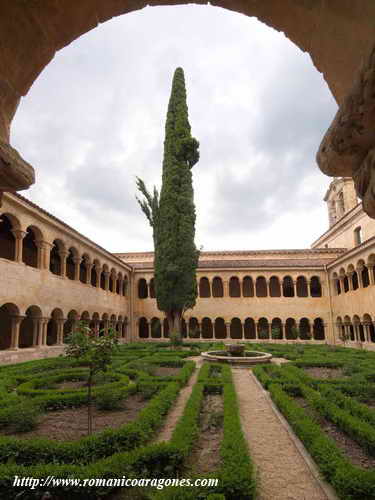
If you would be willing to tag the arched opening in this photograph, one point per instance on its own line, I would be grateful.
(291, 332)
(207, 330)
(288, 287)
(234, 287)
(302, 290)
(70, 324)
(263, 329)
(143, 329)
(70, 265)
(315, 287)
(165, 328)
(217, 287)
(276, 329)
(7, 240)
(365, 277)
(249, 329)
(85, 318)
(275, 289)
(155, 328)
(84, 269)
(112, 280)
(55, 265)
(194, 332)
(318, 329)
(371, 331)
(119, 284)
(103, 274)
(204, 288)
(236, 329)
(7, 312)
(142, 289)
(30, 328)
(30, 250)
(152, 288)
(261, 286)
(304, 329)
(220, 328)
(355, 280)
(247, 287)
(125, 286)
(95, 273)
(53, 328)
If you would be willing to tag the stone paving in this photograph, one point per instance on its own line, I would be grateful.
(282, 473)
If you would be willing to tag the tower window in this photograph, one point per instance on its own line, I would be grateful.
(357, 236)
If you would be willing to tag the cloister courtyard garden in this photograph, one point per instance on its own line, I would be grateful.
(302, 426)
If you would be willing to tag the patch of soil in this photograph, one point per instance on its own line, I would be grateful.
(72, 384)
(325, 373)
(71, 424)
(205, 457)
(355, 453)
(166, 371)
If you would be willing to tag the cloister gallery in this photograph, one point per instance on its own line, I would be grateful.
(52, 276)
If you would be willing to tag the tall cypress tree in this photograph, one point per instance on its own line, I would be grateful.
(172, 214)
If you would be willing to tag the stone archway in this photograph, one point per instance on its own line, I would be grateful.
(316, 27)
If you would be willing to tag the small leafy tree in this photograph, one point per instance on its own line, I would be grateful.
(93, 352)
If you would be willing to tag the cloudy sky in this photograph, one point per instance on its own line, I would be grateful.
(94, 120)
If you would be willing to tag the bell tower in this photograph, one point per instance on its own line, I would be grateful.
(340, 198)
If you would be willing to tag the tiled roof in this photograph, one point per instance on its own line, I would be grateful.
(249, 263)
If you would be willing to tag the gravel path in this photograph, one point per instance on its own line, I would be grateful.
(281, 471)
(175, 413)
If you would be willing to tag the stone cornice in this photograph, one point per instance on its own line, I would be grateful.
(352, 252)
(73, 232)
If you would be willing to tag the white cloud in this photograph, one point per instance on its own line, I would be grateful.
(95, 119)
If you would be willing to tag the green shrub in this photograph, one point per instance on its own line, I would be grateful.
(108, 400)
(26, 417)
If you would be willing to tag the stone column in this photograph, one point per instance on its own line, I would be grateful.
(121, 286)
(19, 236)
(44, 253)
(98, 270)
(36, 333)
(15, 331)
(63, 256)
(282, 331)
(89, 267)
(360, 278)
(227, 329)
(308, 282)
(342, 287)
(294, 288)
(350, 281)
(114, 281)
(42, 337)
(366, 328)
(60, 330)
(225, 288)
(106, 281)
(371, 274)
(77, 264)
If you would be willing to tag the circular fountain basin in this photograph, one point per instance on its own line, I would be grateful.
(247, 358)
